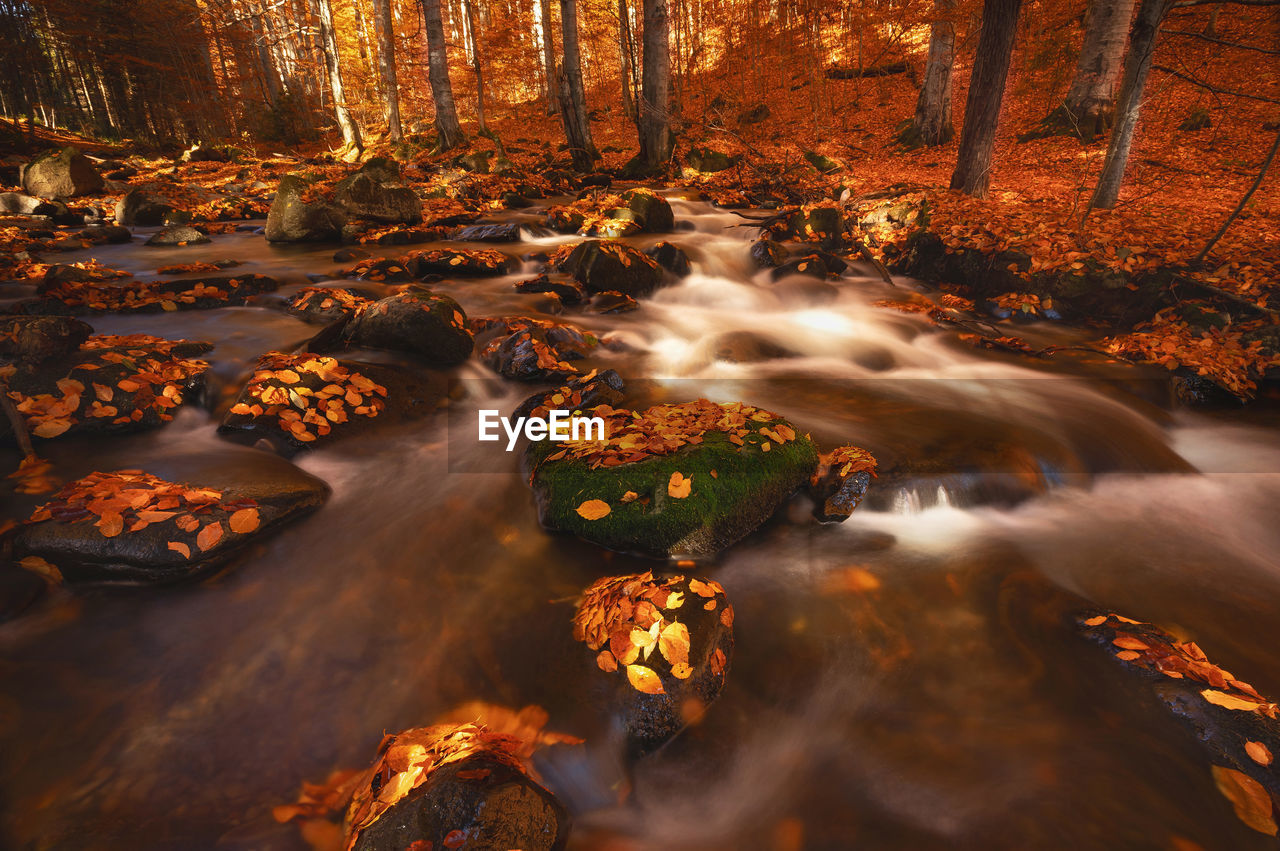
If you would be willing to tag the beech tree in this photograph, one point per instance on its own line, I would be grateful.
(1089, 105)
(351, 141)
(931, 124)
(447, 127)
(573, 101)
(655, 87)
(387, 67)
(986, 93)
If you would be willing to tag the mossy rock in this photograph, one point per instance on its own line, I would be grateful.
(708, 161)
(824, 225)
(292, 218)
(823, 164)
(650, 209)
(749, 484)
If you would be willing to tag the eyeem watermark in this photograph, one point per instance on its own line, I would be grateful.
(557, 425)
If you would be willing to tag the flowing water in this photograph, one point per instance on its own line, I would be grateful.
(950, 706)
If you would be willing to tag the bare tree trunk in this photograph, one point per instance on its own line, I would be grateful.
(573, 99)
(549, 56)
(387, 67)
(932, 122)
(447, 126)
(470, 11)
(1091, 97)
(655, 87)
(329, 45)
(624, 56)
(986, 92)
(1137, 65)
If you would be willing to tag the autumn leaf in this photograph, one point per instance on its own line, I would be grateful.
(681, 671)
(1229, 701)
(679, 486)
(1252, 802)
(701, 588)
(1258, 752)
(1096, 621)
(110, 524)
(606, 662)
(644, 680)
(244, 521)
(209, 536)
(180, 548)
(593, 509)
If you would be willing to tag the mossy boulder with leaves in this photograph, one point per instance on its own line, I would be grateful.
(302, 213)
(687, 479)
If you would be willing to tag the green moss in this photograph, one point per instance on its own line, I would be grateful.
(748, 487)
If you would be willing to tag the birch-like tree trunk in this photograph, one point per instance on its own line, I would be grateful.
(387, 67)
(573, 99)
(655, 86)
(329, 46)
(932, 121)
(1091, 98)
(986, 92)
(447, 127)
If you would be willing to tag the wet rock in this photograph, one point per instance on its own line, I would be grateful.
(325, 304)
(840, 482)
(612, 301)
(382, 270)
(708, 161)
(823, 164)
(106, 235)
(811, 265)
(346, 255)
(458, 262)
(565, 220)
(823, 225)
(306, 400)
(375, 192)
(687, 479)
(68, 298)
(297, 216)
(650, 209)
(515, 201)
(569, 292)
(531, 349)
(61, 174)
(767, 253)
(488, 233)
(107, 384)
(177, 236)
(25, 205)
(178, 519)
(140, 207)
(667, 642)
(33, 339)
(748, 347)
(452, 786)
(604, 266)
(670, 257)
(417, 321)
(581, 393)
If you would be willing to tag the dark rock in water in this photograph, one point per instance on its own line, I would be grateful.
(515, 201)
(579, 394)
(325, 304)
(147, 296)
(823, 225)
(108, 384)
(768, 254)
(416, 321)
(650, 209)
(32, 339)
(612, 301)
(306, 400)
(181, 235)
(1236, 727)
(667, 642)
(708, 161)
(180, 518)
(748, 347)
(140, 207)
(452, 786)
(375, 192)
(570, 292)
(295, 218)
(688, 479)
(488, 233)
(840, 482)
(565, 220)
(346, 255)
(26, 205)
(61, 174)
(458, 262)
(811, 265)
(670, 257)
(382, 270)
(531, 349)
(604, 265)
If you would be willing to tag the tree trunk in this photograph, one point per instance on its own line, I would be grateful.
(447, 126)
(470, 9)
(1091, 97)
(549, 57)
(387, 66)
(986, 92)
(655, 87)
(1137, 65)
(624, 55)
(329, 45)
(932, 121)
(573, 100)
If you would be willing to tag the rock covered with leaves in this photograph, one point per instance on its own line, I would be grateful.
(325, 304)
(65, 297)
(690, 478)
(840, 482)
(458, 262)
(108, 384)
(131, 526)
(452, 786)
(667, 640)
(608, 266)
(586, 391)
(1237, 727)
(33, 339)
(314, 209)
(638, 210)
(529, 349)
(417, 321)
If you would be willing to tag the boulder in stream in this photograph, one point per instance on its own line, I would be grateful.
(488, 233)
(32, 339)
(568, 291)
(580, 393)
(143, 527)
(529, 349)
(676, 479)
(178, 235)
(140, 207)
(417, 321)
(604, 265)
(63, 173)
(376, 193)
(670, 257)
(300, 214)
(668, 643)
(840, 482)
(458, 262)
(325, 304)
(452, 786)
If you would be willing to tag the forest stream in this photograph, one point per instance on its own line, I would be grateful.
(908, 679)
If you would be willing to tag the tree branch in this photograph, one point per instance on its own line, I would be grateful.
(1262, 172)
(1210, 87)
(1223, 42)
